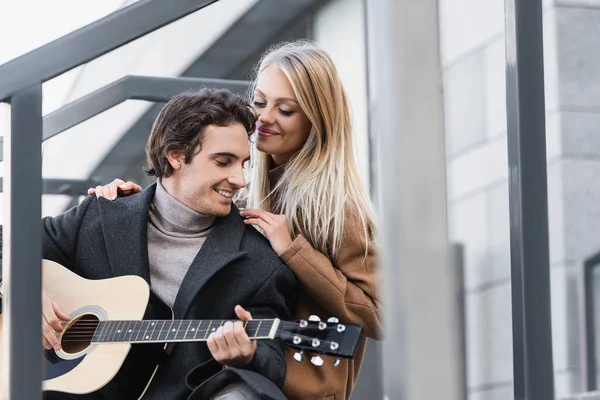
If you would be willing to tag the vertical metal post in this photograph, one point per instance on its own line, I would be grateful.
(21, 255)
(421, 356)
(588, 328)
(530, 265)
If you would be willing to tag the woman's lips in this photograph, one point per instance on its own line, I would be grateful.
(266, 132)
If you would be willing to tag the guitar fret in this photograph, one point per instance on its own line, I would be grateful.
(152, 323)
(180, 331)
(138, 330)
(128, 331)
(98, 332)
(207, 329)
(187, 329)
(145, 326)
(177, 331)
(166, 331)
(117, 331)
(257, 328)
(156, 333)
(174, 330)
(197, 329)
(109, 334)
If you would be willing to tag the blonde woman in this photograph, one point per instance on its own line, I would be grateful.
(306, 197)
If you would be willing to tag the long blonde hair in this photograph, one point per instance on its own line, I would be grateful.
(322, 178)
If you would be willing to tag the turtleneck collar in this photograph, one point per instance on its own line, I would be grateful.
(175, 218)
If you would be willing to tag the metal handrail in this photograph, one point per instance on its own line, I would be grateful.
(147, 88)
(92, 41)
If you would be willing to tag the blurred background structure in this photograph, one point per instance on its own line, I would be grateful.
(451, 323)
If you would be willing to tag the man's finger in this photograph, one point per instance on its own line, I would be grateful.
(242, 313)
(229, 335)
(213, 346)
(241, 336)
(220, 340)
(60, 313)
(50, 335)
(50, 316)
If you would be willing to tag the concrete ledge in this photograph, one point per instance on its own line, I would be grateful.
(583, 396)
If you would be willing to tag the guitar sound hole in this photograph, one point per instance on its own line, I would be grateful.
(78, 335)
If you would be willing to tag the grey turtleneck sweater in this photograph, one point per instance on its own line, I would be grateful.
(176, 234)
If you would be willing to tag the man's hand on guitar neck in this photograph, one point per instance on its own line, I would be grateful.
(230, 344)
(52, 318)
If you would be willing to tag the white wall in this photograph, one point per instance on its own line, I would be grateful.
(340, 29)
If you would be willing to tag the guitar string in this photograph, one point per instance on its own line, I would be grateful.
(94, 324)
(308, 338)
(92, 329)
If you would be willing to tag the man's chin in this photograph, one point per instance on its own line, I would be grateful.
(222, 211)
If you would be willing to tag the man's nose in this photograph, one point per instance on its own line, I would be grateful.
(237, 178)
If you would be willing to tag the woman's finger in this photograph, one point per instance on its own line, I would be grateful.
(254, 213)
(261, 223)
(131, 186)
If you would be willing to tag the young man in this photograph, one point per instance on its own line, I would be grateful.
(185, 237)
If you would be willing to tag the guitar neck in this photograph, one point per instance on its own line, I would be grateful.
(172, 331)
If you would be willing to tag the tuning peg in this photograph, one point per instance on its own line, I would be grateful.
(333, 320)
(303, 323)
(296, 339)
(334, 346)
(322, 326)
(314, 318)
(317, 360)
(336, 362)
(341, 328)
(299, 356)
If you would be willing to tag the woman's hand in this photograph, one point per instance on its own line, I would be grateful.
(275, 227)
(114, 188)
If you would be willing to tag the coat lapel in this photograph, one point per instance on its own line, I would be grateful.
(125, 226)
(221, 247)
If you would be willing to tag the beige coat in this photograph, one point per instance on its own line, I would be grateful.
(344, 288)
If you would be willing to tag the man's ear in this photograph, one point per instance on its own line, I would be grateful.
(176, 159)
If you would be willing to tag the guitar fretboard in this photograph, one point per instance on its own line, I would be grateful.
(165, 331)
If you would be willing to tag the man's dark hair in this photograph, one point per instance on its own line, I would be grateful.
(181, 123)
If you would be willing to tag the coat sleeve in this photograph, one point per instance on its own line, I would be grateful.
(59, 235)
(346, 286)
(275, 299)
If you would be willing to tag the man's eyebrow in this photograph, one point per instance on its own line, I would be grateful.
(227, 154)
(277, 100)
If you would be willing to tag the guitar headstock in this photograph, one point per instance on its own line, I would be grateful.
(331, 337)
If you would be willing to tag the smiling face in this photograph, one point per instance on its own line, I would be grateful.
(282, 126)
(208, 182)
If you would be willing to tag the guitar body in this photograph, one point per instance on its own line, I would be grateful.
(119, 331)
(110, 371)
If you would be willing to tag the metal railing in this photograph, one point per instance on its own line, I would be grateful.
(21, 85)
(589, 367)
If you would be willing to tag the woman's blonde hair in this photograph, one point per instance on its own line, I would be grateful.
(322, 178)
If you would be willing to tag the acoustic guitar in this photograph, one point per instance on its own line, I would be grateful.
(119, 331)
